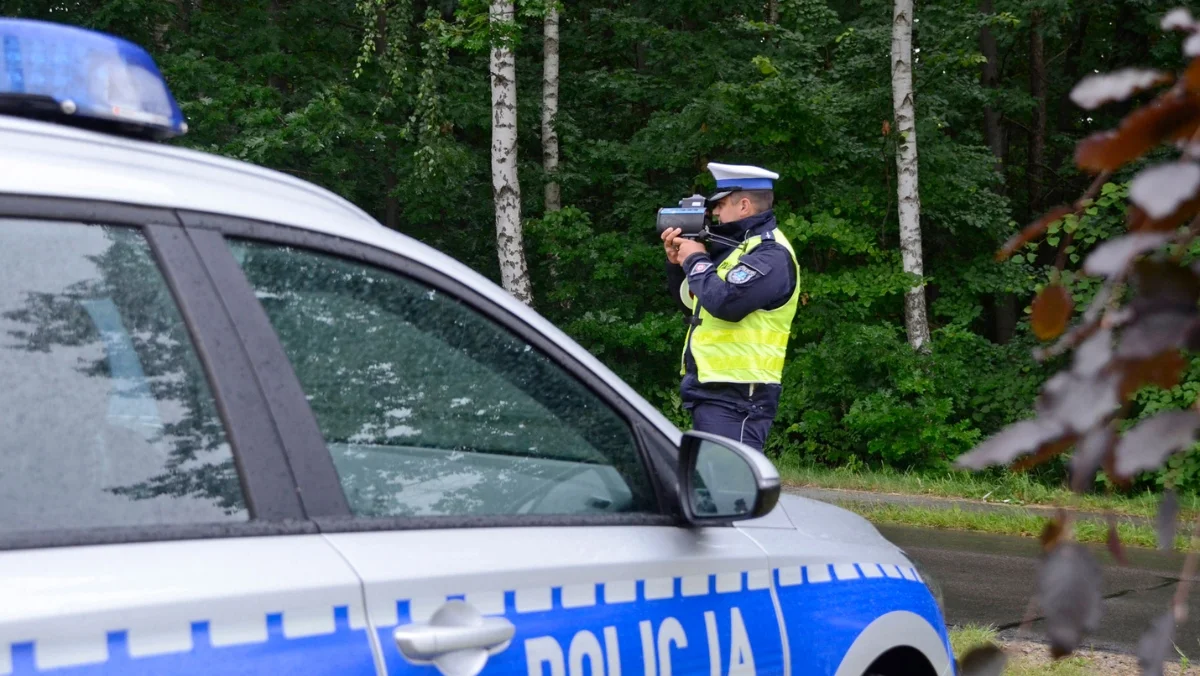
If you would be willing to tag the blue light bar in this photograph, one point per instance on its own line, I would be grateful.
(75, 76)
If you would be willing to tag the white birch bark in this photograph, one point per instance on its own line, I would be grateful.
(550, 107)
(506, 190)
(906, 168)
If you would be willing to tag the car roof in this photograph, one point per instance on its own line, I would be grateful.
(43, 159)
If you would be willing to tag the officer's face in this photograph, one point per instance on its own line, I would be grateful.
(730, 209)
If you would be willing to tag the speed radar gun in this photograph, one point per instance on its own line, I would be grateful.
(692, 217)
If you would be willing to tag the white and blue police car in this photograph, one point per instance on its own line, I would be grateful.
(249, 430)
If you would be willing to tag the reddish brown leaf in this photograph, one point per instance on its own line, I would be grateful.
(1069, 594)
(1191, 77)
(1032, 231)
(1093, 449)
(1114, 544)
(1157, 643)
(1168, 516)
(1051, 312)
(1170, 117)
(984, 660)
(1011, 442)
(1147, 445)
(1162, 370)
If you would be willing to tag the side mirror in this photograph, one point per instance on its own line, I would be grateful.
(724, 481)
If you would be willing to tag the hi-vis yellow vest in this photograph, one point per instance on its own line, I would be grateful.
(749, 351)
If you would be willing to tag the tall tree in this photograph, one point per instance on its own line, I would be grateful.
(550, 107)
(1006, 303)
(1037, 127)
(908, 197)
(506, 189)
(991, 74)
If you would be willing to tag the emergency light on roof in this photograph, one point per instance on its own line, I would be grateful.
(83, 78)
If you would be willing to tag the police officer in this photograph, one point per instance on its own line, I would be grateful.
(739, 296)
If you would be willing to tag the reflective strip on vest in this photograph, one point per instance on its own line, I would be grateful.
(749, 351)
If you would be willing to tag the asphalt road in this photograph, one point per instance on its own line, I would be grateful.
(990, 579)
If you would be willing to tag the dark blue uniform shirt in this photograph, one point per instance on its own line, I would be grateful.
(763, 280)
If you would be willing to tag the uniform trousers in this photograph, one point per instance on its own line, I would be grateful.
(749, 426)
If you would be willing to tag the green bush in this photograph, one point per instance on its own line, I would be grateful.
(861, 394)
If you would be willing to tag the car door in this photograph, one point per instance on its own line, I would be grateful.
(504, 512)
(148, 520)
(853, 601)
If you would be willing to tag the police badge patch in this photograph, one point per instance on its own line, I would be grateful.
(701, 267)
(741, 274)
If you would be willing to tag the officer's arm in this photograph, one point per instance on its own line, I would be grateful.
(675, 280)
(762, 278)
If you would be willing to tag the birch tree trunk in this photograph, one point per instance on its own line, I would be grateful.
(909, 201)
(506, 190)
(550, 108)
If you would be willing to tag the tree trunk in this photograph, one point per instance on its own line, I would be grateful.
(772, 11)
(506, 190)
(1068, 113)
(1005, 313)
(391, 206)
(991, 75)
(908, 197)
(276, 80)
(550, 108)
(1037, 136)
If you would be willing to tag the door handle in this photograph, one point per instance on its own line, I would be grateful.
(457, 640)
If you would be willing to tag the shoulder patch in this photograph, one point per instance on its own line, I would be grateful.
(700, 268)
(741, 274)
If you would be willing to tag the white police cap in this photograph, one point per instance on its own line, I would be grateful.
(734, 177)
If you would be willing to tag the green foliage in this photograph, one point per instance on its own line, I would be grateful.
(1102, 220)
(861, 392)
(386, 102)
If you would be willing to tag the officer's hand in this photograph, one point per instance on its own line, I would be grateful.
(687, 247)
(671, 240)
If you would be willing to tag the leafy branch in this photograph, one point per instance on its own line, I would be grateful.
(1131, 336)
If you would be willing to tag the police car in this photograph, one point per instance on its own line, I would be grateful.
(249, 430)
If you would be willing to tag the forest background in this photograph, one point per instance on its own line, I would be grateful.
(388, 103)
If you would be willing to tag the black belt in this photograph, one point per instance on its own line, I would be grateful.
(692, 320)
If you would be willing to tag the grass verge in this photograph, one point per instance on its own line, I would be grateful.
(1003, 523)
(963, 639)
(995, 487)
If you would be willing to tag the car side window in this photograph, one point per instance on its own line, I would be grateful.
(431, 409)
(108, 418)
